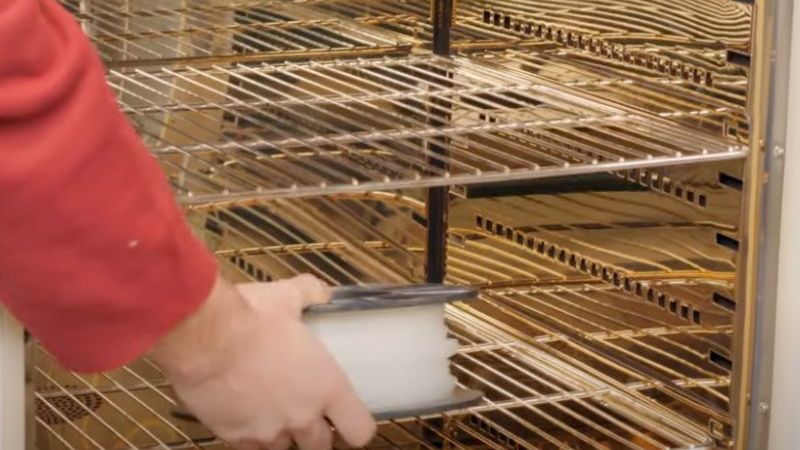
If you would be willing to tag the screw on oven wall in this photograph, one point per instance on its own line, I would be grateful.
(763, 407)
(779, 151)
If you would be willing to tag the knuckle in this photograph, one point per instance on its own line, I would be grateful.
(302, 422)
(301, 426)
(312, 285)
(341, 389)
(306, 278)
(365, 438)
(292, 304)
(268, 434)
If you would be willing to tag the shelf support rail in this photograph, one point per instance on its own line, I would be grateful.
(438, 198)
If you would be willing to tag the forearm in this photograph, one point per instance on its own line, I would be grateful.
(96, 258)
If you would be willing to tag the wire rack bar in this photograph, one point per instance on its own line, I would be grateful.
(138, 33)
(504, 126)
(305, 242)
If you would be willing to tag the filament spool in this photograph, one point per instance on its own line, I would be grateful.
(393, 344)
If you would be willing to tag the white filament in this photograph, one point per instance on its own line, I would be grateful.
(396, 359)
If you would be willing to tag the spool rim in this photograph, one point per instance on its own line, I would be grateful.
(386, 296)
(460, 399)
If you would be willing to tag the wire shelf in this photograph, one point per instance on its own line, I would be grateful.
(689, 41)
(279, 239)
(677, 304)
(247, 132)
(706, 23)
(541, 391)
(718, 107)
(681, 40)
(497, 263)
(381, 238)
(143, 32)
(646, 249)
(672, 64)
(411, 18)
(524, 345)
(606, 332)
(545, 389)
(533, 394)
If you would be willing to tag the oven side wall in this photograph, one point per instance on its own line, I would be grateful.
(784, 427)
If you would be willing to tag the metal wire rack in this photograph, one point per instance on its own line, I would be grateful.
(641, 248)
(605, 321)
(692, 45)
(612, 200)
(662, 60)
(411, 18)
(502, 247)
(553, 358)
(717, 106)
(537, 395)
(278, 239)
(145, 32)
(605, 329)
(246, 132)
(505, 255)
(707, 23)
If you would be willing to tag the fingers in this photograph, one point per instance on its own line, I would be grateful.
(282, 442)
(300, 292)
(310, 291)
(352, 419)
(247, 444)
(316, 437)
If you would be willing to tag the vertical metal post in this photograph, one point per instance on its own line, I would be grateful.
(442, 22)
(776, 392)
(761, 236)
(438, 198)
(12, 384)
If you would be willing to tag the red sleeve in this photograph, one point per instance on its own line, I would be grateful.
(96, 258)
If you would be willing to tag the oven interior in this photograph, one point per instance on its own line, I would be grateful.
(587, 157)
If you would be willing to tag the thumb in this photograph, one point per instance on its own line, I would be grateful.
(306, 290)
(298, 293)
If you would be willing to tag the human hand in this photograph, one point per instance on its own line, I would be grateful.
(248, 368)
